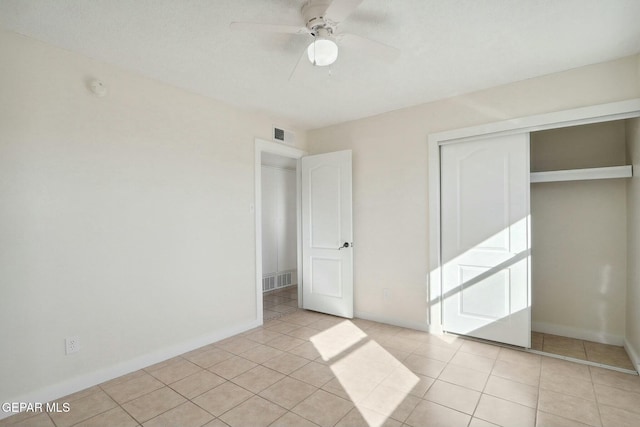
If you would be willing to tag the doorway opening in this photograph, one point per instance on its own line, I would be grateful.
(278, 241)
(579, 216)
(279, 235)
(323, 228)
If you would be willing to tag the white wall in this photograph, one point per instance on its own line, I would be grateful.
(269, 221)
(279, 236)
(390, 174)
(579, 228)
(633, 241)
(287, 224)
(124, 220)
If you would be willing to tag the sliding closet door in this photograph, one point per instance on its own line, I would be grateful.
(485, 238)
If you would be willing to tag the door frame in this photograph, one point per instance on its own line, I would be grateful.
(264, 146)
(579, 116)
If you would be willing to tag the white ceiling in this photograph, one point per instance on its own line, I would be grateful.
(448, 47)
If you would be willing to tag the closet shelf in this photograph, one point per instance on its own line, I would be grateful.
(582, 174)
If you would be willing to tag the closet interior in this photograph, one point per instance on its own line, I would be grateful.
(279, 235)
(579, 220)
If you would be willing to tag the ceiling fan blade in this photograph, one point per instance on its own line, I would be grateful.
(376, 49)
(267, 28)
(339, 10)
(299, 65)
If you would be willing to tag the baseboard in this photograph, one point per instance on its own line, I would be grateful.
(73, 385)
(392, 321)
(634, 355)
(581, 334)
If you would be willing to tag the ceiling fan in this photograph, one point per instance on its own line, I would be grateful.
(321, 19)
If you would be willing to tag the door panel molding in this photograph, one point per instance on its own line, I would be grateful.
(327, 222)
(485, 198)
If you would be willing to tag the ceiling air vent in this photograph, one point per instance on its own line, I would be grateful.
(282, 135)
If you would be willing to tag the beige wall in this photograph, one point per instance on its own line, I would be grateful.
(390, 174)
(579, 250)
(633, 235)
(578, 147)
(125, 220)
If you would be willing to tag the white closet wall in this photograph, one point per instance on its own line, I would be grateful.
(632, 338)
(279, 250)
(579, 235)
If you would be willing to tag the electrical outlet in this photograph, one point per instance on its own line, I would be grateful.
(386, 293)
(72, 345)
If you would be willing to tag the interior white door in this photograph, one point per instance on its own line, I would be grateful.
(485, 239)
(327, 236)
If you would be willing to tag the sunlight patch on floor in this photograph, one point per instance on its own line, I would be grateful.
(375, 381)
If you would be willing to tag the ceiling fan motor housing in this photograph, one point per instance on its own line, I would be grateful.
(316, 23)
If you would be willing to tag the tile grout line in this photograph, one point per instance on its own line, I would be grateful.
(493, 365)
(230, 380)
(254, 394)
(392, 332)
(458, 350)
(595, 395)
(537, 409)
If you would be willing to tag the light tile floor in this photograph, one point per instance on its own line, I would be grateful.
(579, 349)
(309, 369)
(279, 302)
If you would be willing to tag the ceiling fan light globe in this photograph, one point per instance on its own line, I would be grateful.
(322, 52)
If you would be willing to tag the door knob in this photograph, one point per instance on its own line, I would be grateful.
(345, 245)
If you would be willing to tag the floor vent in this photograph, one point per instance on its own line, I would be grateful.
(268, 283)
(284, 279)
(281, 279)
